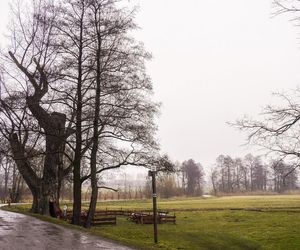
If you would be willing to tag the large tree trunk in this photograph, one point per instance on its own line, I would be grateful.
(23, 165)
(36, 203)
(54, 129)
(53, 160)
(47, 188)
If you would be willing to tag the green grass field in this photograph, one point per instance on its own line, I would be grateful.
(213, 223)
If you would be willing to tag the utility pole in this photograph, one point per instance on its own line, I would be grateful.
(152, 172)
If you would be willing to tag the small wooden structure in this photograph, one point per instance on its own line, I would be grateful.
(147, 218)
(99, 221)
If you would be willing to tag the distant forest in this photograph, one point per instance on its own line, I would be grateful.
(228, 176)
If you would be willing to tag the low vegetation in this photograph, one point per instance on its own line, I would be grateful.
(242, 222)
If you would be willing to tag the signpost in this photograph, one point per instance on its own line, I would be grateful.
(152, 172)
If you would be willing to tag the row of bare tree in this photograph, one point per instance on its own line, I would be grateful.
(250, 174)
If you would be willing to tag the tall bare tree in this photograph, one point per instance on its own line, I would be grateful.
(84, 85)
(277, 129)
(36, 70)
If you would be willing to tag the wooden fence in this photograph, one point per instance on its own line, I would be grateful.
(108, 217)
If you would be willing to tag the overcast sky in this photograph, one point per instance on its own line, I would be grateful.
(214, 61)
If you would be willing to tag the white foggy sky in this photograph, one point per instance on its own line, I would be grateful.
(214, 61)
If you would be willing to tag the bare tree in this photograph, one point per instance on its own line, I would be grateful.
(277, 131)
(83, 86)
(194, 175)
(284, 176)
(34, 56)
(15, 126)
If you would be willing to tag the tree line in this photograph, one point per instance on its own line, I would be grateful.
(250, 174)
(228, 176)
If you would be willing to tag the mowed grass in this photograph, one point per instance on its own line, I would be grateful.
(199, 226)
(199, 203)
(215, 230)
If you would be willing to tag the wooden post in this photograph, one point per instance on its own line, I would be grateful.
(153, 173)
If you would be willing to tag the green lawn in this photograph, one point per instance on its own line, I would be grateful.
(188, 204)
(199, 226)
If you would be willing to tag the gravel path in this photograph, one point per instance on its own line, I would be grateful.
(22, 232)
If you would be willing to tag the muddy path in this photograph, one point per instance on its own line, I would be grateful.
(22, 232)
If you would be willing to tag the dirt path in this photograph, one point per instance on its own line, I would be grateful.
(22, 232)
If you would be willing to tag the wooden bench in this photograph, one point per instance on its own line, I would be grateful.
(142, 218)
(98, 221)
(100, 218)
(167, 218)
